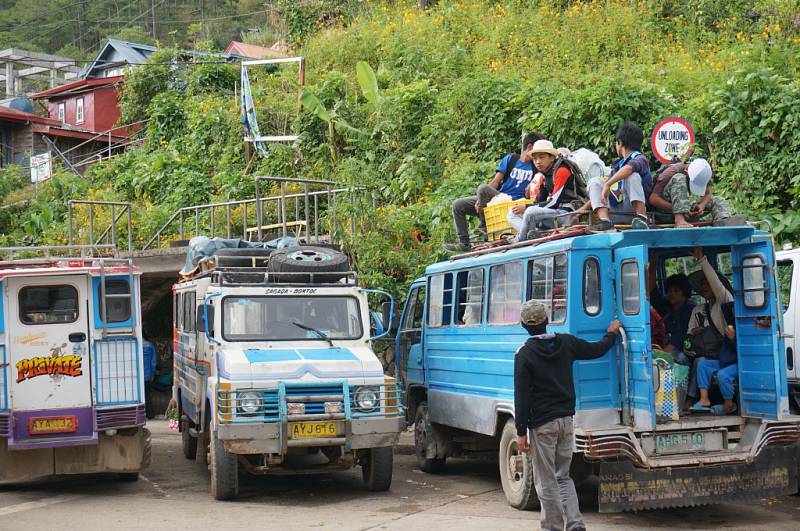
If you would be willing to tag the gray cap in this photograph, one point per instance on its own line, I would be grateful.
(533, 313)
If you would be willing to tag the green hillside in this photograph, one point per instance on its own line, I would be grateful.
(457, 83)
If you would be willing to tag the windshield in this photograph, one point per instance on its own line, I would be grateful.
(290, 318)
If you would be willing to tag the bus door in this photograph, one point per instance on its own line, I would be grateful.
(633, 311)
(597, 389)
(408, 345)
(762, 365)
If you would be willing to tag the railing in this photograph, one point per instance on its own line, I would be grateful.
(294, 213)
(109, 236)
(117, 372)
(58, 251)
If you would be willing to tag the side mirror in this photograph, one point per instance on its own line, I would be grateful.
(206, 311)
(378, 327)
(391, 319)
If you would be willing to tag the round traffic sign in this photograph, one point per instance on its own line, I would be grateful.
(671, 139)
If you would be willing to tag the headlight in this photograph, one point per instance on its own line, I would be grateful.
(249, 402)
(366, 399)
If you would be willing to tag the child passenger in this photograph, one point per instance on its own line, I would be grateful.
(626, 191)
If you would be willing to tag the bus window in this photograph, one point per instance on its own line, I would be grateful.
(189, 303)
(505, 289)
(591, 286)
(548, 285)
(754, 282)
(440, 300)
(413, 318)
(469, 304)
(179, 311)
(631, 297)
(41, 305)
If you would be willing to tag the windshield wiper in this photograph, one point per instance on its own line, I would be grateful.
(320, 333)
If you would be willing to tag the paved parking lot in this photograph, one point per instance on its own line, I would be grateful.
(174, 494)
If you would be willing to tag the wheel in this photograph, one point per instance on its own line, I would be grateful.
(147, 452)
(189, 442)
(243, 257)
(424, 437)
(178, 243)
(517, 486)
(224, 471)
(309, 259)
(377, 469)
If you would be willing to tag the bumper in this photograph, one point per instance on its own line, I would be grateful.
(624, 487)
(273, 437)
(127, 451)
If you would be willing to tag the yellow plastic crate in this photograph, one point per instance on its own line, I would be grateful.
(496, 216)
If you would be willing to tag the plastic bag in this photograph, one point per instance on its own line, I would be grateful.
(667, 392)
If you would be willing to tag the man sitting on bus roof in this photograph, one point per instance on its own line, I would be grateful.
(544, 403)
(552, 187)
(626, 191)
(513, 175)
(675, 188)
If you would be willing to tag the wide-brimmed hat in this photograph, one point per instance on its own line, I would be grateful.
(696, 280)
(699, 176)
(544, 146)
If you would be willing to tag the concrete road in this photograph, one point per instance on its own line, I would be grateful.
(174, 494)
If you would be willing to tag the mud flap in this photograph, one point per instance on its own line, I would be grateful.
(623, 487)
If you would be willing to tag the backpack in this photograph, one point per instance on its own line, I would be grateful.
(578, 191)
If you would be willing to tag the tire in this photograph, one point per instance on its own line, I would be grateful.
(309, 259)
(178, 243)
(376, 470)
(243, 257)
(224, 471)
(189, 443)
(518, 488)
(424, 429)
(147, 453)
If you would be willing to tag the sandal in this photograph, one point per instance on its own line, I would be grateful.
(697, 407)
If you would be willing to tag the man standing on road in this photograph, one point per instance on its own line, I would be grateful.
(544, 403)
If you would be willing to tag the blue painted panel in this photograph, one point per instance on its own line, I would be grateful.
(270, 355)
(762, 368)
(98, 320)
(596, 381)
(641, 396)
(327, 354)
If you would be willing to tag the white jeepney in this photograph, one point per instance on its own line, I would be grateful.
(275, 373)
(71, 376)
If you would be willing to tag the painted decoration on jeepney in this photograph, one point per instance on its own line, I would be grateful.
(671, 139)
(57, 364)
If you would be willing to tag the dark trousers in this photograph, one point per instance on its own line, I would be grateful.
(465, 206)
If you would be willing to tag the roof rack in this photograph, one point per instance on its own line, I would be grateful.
(48, 255)
(260, 276)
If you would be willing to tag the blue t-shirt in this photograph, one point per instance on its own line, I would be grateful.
(517, 180)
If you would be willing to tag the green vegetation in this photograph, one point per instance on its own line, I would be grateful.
(453, 88)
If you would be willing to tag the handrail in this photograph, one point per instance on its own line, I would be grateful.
(308, 195)
(111, 229)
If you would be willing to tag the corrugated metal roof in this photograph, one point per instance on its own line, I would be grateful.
(12, 115)
(131, 53)
(75, 87)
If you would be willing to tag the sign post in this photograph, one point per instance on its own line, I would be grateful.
(672, 138)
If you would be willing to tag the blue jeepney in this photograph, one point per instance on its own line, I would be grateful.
(460, 329)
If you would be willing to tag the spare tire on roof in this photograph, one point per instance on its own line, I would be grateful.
(308, 259)
(243, 257)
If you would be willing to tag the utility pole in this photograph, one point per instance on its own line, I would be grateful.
(153, 14)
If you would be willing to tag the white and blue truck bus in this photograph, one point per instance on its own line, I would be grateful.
(275, 369)
(459, 331)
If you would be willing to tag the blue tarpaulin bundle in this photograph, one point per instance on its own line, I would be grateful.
(203, 247)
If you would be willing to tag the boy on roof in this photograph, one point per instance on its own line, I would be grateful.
(675, 188)
(552, 187)
(513, 175)
(626, 191)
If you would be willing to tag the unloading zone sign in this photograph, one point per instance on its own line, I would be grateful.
(671, 139)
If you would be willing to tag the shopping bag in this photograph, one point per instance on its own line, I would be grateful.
(681, 373)
(667, 393)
